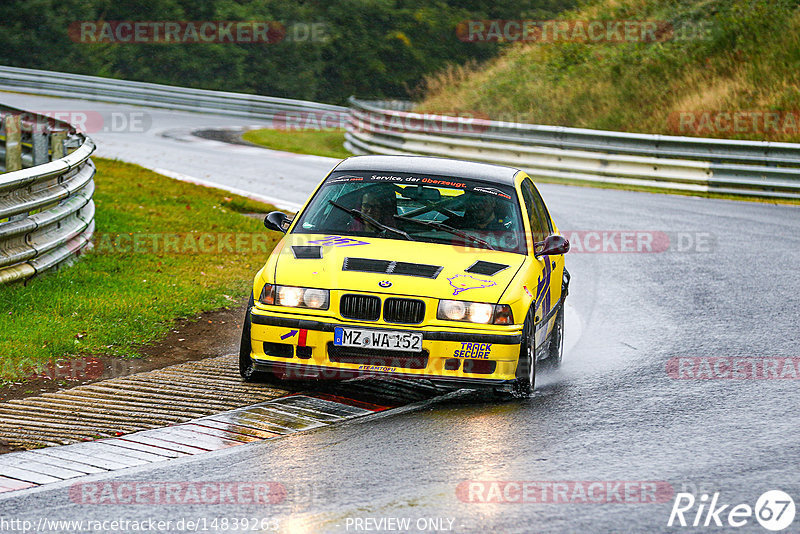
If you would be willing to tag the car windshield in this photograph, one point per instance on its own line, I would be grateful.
(433, 209)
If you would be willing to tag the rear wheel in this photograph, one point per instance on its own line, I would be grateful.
(526, 368)
(555, 345)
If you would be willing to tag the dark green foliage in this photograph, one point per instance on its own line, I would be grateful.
(374, 48)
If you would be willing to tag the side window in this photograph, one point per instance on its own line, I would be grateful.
(540, 221)
(544, 216)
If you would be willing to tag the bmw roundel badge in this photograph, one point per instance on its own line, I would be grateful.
(385, 283)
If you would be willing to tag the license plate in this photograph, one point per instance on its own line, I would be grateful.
(377, 339)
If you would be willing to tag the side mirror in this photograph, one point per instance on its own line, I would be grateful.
(553, 245)
(276, 221)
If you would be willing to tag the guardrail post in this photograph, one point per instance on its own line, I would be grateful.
(41, 148)
(11, 125)
(70, 145)
(57, 145)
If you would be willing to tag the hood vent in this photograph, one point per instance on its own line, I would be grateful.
(367, 265)
(486, 268)
(307, 253)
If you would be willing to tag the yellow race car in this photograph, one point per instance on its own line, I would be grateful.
(412, 267)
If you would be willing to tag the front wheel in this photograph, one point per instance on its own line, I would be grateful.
(247, 369)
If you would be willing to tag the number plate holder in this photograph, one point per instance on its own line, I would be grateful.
(394, 340)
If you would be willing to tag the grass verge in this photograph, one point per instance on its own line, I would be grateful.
(725, 69)
(316, 143)
(163, 250)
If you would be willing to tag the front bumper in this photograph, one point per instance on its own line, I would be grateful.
(301, 347)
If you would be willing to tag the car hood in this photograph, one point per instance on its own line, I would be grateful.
(409, 266)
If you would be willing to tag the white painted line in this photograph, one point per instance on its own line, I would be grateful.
(277, 202)
(60, 462)
(28, 476)
(133, 445)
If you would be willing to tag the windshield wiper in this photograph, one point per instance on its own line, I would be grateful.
(447, 228)
(358, 214)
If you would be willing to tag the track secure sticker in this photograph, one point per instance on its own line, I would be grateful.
(477, 351)
(463, 282)
(338, 241)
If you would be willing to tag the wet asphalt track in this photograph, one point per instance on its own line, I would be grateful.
(612, 413)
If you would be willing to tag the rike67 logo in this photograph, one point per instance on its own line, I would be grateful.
(774, 511)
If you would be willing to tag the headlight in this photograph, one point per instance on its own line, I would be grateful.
(455, 310)
(290, 296)
(316, 298)
(480, 312)
(295, 297)
(474, 312)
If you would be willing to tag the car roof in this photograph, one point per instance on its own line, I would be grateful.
(430, 165)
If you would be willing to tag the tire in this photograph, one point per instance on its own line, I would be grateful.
(555, 345)
(247, 369)
(526, 368)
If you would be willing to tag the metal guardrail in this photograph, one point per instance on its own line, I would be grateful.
(46, 207)
(154, 95)
(747, 168)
